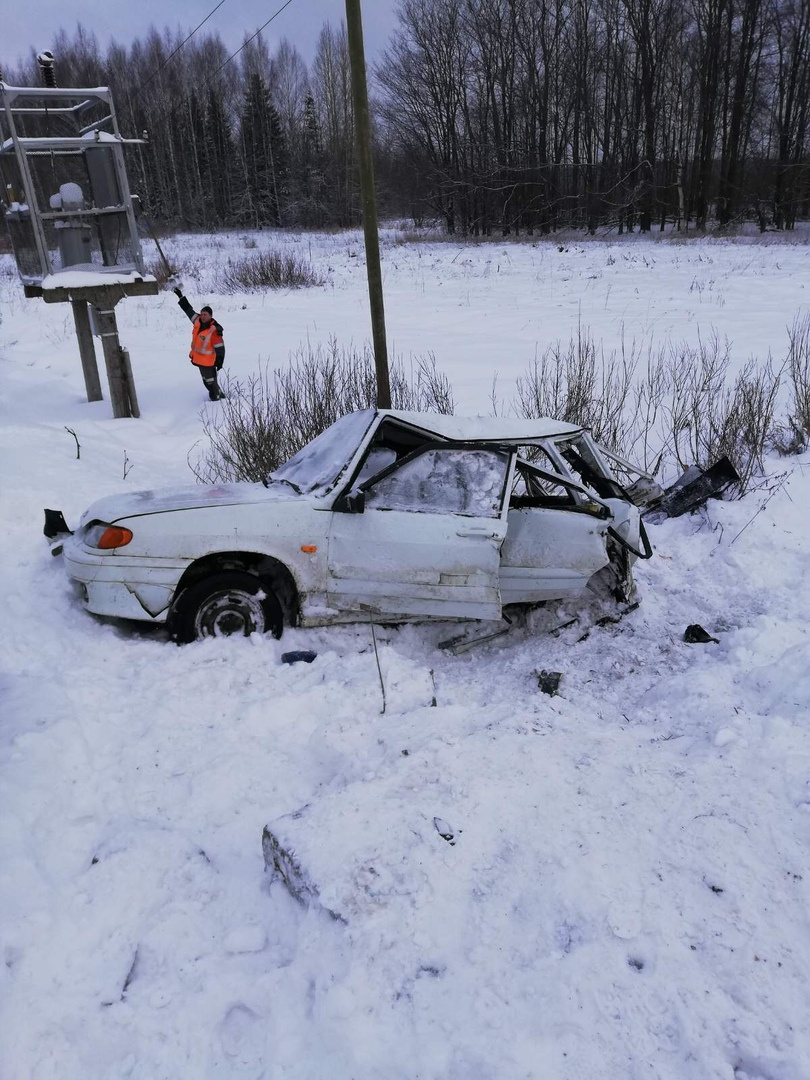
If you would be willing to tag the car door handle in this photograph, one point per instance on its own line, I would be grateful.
(482, 532)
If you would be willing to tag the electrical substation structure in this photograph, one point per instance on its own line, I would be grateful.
(71, 216)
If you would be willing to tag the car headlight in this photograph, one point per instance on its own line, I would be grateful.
(106, 537)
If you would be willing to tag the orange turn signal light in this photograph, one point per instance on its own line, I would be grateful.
(114, 536)
(309, 549)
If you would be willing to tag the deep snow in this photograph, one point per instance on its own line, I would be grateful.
(626, 894)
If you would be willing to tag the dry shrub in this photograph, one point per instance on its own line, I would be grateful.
(798, 366)
(711, 417)
(266, 270)
(680, 407)
(266, 419)
(788, 439)
(650, 399)
(162, 271)
(575, 383)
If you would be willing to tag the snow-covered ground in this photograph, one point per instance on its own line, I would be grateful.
(627, 890)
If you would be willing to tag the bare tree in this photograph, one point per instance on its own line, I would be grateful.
(331, 86)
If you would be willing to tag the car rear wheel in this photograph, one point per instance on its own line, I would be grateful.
(229, 604)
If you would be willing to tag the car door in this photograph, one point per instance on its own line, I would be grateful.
(555, 542)
(427, 542)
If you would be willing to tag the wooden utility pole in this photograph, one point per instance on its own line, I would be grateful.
(362, 127)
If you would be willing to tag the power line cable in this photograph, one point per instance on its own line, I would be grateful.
(207, 81)
(157, 70)
(246, 43)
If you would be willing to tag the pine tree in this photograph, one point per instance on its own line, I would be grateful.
(262, 156)
(219, 181)
(310, 177)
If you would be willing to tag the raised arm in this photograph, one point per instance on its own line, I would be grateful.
(185, 306)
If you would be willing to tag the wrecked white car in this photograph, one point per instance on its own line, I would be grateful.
(390, 515)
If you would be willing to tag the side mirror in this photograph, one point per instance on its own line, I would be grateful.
(354, 502)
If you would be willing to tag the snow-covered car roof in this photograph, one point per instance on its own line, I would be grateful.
(500, 429)
(319, 465)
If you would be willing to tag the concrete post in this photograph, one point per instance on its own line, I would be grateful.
(108, 332)
(87, 351)
(129, 381)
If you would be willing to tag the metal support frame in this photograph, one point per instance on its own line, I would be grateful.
(25, 147)
(25, 173)
(17, 104)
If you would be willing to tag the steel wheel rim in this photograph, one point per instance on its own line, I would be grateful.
(229, 613)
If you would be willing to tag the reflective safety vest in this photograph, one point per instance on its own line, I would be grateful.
(203, 343)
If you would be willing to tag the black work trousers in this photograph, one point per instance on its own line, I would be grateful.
(209, 378)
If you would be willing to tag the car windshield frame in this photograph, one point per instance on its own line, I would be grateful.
(318, 466)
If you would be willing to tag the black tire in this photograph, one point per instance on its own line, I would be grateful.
(223, 605)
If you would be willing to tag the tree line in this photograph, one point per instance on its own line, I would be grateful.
(528, 114)
(490, 115)
(263, 140)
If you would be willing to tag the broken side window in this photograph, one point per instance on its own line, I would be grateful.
(445, 481)
(377, 459)
(531, 489)
(534, 488)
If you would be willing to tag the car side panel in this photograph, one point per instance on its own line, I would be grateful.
(406, 564)
(139, 576)
(549, 554)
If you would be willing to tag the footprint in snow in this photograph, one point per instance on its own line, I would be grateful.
(241, 1036)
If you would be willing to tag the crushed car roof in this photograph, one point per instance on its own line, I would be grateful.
(499, 429)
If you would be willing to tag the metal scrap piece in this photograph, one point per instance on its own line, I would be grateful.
(694, 488)
(549, 681)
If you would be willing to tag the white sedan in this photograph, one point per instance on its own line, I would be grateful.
(393, 515)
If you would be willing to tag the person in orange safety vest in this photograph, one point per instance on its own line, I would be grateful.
(207, 347)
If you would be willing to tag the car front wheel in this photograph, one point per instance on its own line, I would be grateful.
(223, 605)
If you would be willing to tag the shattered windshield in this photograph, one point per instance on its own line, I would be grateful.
(316, 466)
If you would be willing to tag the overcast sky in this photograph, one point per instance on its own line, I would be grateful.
(34, 24)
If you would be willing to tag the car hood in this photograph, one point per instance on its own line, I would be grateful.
(164, 500)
